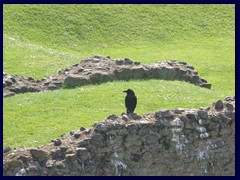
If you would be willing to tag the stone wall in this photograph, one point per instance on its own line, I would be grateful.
(178, 142)
(100, 69)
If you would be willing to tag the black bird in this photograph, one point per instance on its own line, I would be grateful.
(130, 101)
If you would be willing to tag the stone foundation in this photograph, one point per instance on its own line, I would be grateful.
(180, 142)
(100, 69)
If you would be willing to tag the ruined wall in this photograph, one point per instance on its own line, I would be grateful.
(177, 142)
(100, 69)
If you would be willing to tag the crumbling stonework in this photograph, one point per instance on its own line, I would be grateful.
(178, 142)
(100, 69)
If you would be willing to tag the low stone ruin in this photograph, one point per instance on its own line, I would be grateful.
(98, 69)
(180, 142)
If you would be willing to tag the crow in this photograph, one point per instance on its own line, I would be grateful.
(130, 101)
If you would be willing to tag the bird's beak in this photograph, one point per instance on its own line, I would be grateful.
(125, 91)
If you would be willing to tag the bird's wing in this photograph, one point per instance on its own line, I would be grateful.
(130, 101)
(135, 101)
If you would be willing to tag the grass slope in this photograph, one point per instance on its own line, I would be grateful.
(58, 112)
(134, 31)
(39, 40)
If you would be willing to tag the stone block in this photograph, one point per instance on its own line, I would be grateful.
(151, 139)
(230, 107)
(219, 105)
(39, 154)
(164, 114)
(202, 114)
(191, 116)
(100, 77)
(75, 80)
(83, 153)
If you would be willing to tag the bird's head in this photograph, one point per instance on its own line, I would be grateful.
(129, 91)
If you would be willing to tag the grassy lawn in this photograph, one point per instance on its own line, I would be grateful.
(39, 40)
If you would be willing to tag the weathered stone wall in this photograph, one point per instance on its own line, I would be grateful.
(100, 69)
(178, 142)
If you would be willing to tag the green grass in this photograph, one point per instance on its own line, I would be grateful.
(50, 35)
(58, 112)
(40, 40)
